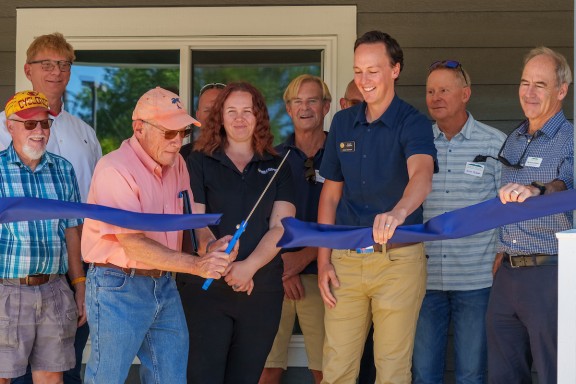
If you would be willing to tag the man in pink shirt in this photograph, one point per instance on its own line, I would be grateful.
(133, 306)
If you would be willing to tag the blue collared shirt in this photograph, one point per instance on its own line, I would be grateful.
(466, 263)
(370, 158)
(29, 247)
(307, 193)
(549, 156)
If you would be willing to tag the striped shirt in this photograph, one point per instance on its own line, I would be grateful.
(549, 155)
(29, 247)
(466, 263)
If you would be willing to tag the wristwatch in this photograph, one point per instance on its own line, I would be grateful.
(540, 185)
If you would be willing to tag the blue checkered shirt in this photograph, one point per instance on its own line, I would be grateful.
(463, 264)
(554, 144)
(30, 247)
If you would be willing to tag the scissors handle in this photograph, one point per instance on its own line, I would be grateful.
(229, 249)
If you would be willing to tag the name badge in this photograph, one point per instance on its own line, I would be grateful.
(474, 169)
(347, 146)
(319, 179)
(533, 162)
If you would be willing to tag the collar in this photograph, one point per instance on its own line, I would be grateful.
(13, 158)
(465, 132)
(144, 158)
(549, 129)
(290, 143)
(388, 118)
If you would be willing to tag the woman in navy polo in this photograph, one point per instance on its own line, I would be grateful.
(233, 324)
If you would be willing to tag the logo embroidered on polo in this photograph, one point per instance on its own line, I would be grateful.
(265, 171)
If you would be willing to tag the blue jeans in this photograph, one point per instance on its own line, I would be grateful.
(467, 310)
(135, 316)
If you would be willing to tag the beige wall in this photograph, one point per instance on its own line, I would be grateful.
(488, 37)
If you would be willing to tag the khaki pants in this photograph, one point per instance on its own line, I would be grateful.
(386, 288)
(310, 311)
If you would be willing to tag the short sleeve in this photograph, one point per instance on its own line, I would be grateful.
(195, 164)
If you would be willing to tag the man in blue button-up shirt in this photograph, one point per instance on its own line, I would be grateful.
(378, 165)
(537, 158)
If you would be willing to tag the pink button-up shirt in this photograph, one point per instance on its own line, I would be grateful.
(130, 179)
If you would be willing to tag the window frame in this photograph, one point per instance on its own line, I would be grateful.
(329, 28)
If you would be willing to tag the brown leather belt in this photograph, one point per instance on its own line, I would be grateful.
(379, 248)
(138, 272)
(532, 260)
(31, 280)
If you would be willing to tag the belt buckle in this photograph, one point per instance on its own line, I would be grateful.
(27, 279)
(520, 259)
(369, 249)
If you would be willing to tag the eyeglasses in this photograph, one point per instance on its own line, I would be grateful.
(310, 173)
(211, 86)
(170, 134)
(507, 163)
(30, 125)
(451, 64)
(49, 65)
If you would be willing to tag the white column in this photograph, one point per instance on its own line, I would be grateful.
(567, 307)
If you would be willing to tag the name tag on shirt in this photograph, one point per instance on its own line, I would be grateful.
(533, 162)
(319, 179)
(474, 169)
(347, 146)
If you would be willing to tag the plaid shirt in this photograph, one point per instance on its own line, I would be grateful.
(553, 147)
(30, 247)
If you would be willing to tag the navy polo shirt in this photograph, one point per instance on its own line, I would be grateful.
(307, 193)
(218, 184)
(370, 158)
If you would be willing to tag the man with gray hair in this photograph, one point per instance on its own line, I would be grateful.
(537, 159)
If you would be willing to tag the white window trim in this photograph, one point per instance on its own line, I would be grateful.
(329, 28)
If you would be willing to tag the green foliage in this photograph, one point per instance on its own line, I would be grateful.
(121, 88)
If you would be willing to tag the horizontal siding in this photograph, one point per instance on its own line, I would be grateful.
(473, 29)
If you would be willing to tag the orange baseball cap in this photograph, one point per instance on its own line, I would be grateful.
(163, 108)
(26, 104)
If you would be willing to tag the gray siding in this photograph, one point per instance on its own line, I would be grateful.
(488, 37)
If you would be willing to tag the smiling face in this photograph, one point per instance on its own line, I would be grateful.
(29, 145)
(446, 95)
(374, 75)
(51, 83)
(307, 109)
(238, 117)
(540, 94)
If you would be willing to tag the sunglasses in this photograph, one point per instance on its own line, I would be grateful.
(310, 173)
(211, 86)
(505, 161)
(450, 64)
(170, 134)
(518, 164)
(30, 125)
(49, 65)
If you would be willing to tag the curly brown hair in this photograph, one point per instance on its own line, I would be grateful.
(212, 134)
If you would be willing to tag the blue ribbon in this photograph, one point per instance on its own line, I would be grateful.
(30, 209)
(462, 222)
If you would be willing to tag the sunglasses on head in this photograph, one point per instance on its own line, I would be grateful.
(170, 134)
(310, 173)
(450, 64)
(211, 86)
(30, 125)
